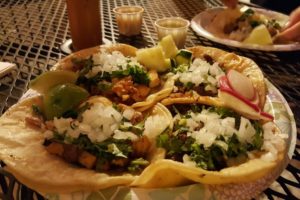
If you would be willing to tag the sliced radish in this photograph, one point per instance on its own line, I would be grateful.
(241, 84)
(245, 109)
(255, 100)
(266, 116)
(239, 103)
(225, 87)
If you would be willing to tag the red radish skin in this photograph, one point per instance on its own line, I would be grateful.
(255, 99)
(253, 111)
(225, 87)
(239, 106)
(241, 84)
(267, 116)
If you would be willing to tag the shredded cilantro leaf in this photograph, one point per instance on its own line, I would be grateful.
(85, 65)
(37, 110)
(138, 74)
(216, 156)
(248, 13)
(137, 165)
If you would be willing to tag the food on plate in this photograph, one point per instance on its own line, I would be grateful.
(104, 136)
(120, 72)
(198, 74)
(214, 145)
(259, 35)
(115, 115)
(96, 144)
(246, 25)
(112, 71)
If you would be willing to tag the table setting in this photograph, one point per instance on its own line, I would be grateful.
(145, 99)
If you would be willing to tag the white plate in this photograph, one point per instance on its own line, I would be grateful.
(200, 21)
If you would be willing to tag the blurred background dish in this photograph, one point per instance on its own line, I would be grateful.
(202, 24)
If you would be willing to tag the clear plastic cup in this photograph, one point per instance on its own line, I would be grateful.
(175, 26)
(129, 19)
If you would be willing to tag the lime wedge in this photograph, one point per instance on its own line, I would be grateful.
(49, 79)
(259, 35)
(62, 98)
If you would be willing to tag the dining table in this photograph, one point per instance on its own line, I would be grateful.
(33, 36)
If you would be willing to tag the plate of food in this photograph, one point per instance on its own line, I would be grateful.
(245, 27)
(116, 122)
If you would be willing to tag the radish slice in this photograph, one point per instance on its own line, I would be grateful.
(239, 103)
(224, 87)
(266, 116)
(255, 100)
(241, 84)
(248, 110)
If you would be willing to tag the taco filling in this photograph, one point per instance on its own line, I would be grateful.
(103, 136)
(201, 76)
(214, 138)
(116, 76)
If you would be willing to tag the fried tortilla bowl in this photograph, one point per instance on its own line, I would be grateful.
(25, 156)
(226, 61)
(128, 51)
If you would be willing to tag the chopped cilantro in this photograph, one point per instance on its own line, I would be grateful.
(70, 114)
(112, 148)
(58, 137)
(189, 85)
(225, 112)
(196, 108)
(162, 140)
(138, 74)
(258, 139)
(235, 147)
(248, 13)
(37, 110)
(216, 156)
(273, 23)
(75, 113)
(137, 164)
(104, 86)
(254, 23)
(137, 129)
(85, 65)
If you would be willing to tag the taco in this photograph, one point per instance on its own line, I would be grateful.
(199, 78)
(214, 146)
(113, 71)
(98, 145)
